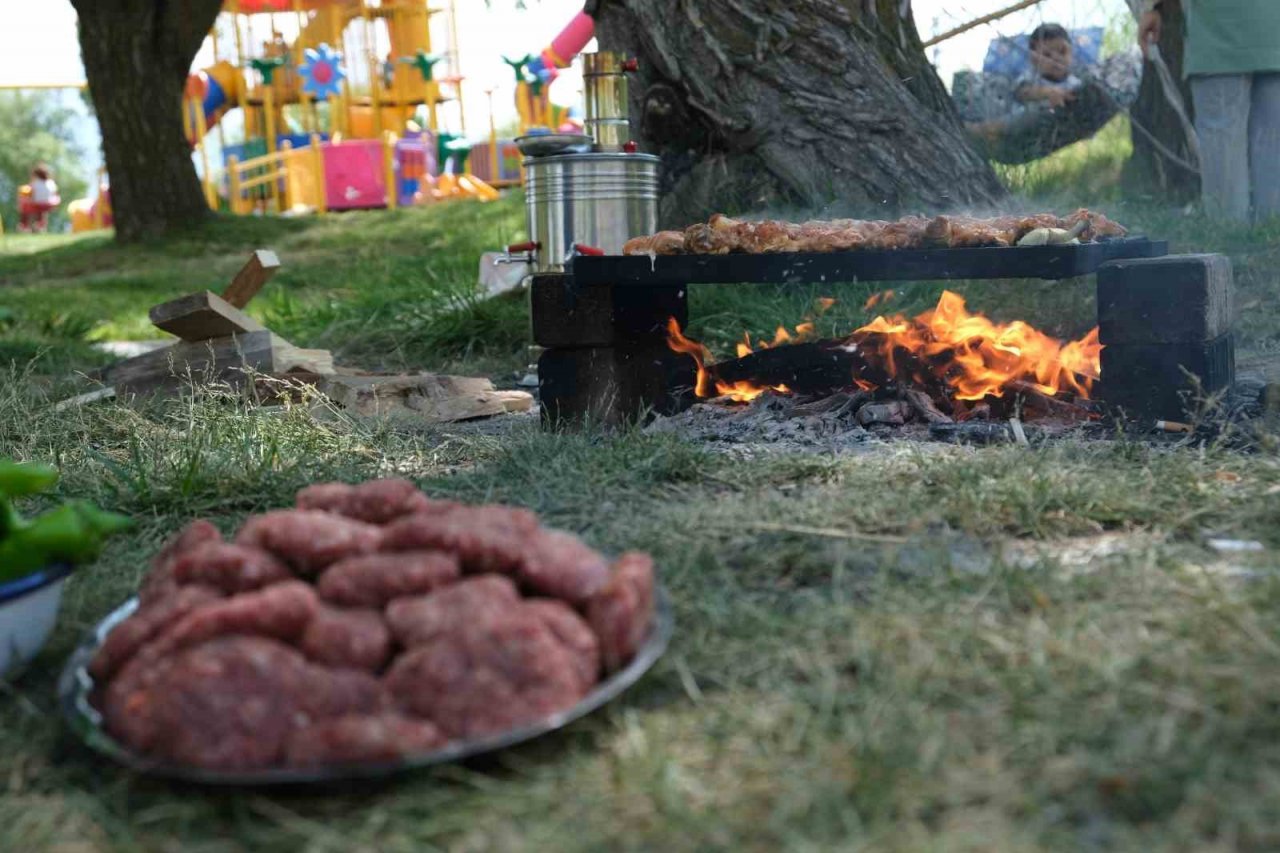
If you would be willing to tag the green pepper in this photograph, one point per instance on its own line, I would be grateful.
(73, 533)
(18, 479)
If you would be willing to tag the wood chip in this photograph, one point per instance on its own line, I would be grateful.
(427, 397)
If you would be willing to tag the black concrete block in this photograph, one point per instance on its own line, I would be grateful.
(1178, 299)
(1150, 380)
(568, 315)
(612, 385)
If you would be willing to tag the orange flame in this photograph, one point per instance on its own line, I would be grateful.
(740, 392)
(825, 303)
(968, 353)
(700, 354)
(977, 357)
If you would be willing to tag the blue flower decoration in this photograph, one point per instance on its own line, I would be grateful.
(322, 71)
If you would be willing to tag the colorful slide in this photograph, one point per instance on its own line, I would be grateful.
(220, 87)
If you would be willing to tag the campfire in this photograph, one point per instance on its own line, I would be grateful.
(942, 366)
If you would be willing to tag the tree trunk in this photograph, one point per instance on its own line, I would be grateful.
(1149, 170)
(136, 57)
(813, 104)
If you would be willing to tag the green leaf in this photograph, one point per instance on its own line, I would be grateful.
(18, 479)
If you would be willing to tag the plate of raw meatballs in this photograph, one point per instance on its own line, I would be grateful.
(369, 629)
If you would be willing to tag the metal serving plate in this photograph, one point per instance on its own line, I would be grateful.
(75, 686)
(546, 144)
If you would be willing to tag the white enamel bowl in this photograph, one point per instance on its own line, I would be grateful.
(28, 609)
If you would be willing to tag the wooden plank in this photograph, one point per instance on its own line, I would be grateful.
(201, 316)
(202, 361)
(262, 265)
(218, 359)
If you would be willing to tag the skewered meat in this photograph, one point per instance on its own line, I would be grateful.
(229, 567)
(415, 621)
(351, 639)
(159, 582)
(662, 243)
(561, 565)
(360, 738)
(487, 677)
(573, 633)
(485, 538)
(309, 540)
(721, 234)
(144, 625)
(374, 579)
(375, 502)
(621, 612)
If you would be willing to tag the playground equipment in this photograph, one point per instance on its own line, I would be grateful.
(499, 160)
(95, 214)
(347, 114)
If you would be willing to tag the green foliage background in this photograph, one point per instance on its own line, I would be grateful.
(35, 128)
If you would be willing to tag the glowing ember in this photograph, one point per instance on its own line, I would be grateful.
(876, 298)
(963, 355)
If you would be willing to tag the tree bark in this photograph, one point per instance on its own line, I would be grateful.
(136, 57)
(814, 104)
(1149, 170)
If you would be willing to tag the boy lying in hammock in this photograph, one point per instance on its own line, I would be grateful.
(1049, 79)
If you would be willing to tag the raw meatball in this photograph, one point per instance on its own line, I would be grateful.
(487, 677)
(354, 739)
(354, 639)
(573, 633)
(562, 566)
(485, 538)
(229, 567)
(621, 613)
(415, 621)
(340, 692)
(281, 611)
(377, 501)
(159, 582)
(228, 704)
(374, 579)
(130, 635)
(309, 540)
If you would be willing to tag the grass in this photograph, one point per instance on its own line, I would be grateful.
(922, 648)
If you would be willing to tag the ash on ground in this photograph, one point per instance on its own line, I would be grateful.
(842, 423)
(1246, 417)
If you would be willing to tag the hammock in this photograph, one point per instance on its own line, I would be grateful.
(1011, 132)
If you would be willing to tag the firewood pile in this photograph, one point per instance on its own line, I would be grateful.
(218, 342)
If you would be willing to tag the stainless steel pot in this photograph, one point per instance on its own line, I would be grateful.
(597, 200)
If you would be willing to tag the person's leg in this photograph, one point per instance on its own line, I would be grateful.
(1264, 145)
(1222, 125)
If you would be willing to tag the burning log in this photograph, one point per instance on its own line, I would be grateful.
(1037, 398)
(924, 407)
(832, 405)
(894, 412)
(815, 367)
(979, 432)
